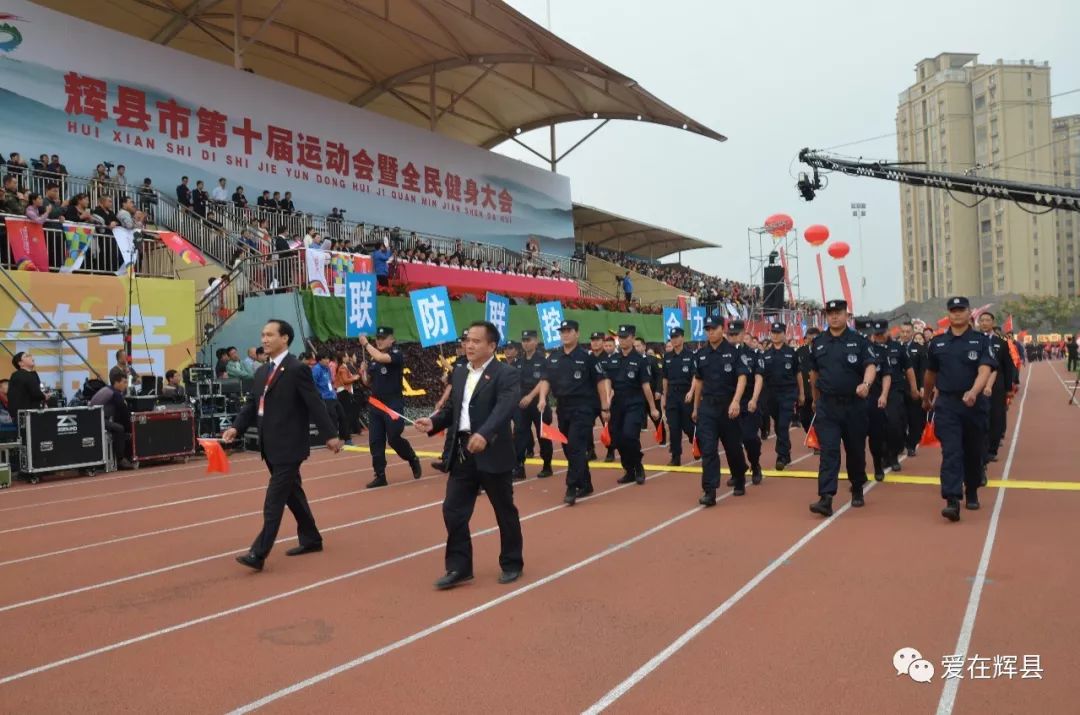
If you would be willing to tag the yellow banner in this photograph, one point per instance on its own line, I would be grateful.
(162, 317)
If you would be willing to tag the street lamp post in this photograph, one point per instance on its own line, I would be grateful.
(858, 210)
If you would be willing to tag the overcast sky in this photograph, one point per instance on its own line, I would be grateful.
(775, 76)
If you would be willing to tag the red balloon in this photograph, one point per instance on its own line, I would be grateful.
(779, 225)
(816, 235)
(839, 249)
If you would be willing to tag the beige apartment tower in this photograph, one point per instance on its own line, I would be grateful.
(990, 120)
(1066, 145)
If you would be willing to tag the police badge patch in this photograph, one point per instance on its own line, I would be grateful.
(685, 368)
(536, 374)
(973, 355)
(727, 367)
(631, 374)
(577, 374)
(853, 359)
(787, 366)
(382, 370)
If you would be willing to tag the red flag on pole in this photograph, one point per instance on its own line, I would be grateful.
(182, 248)
(380, 405)
(26, 241)
(216, 460)
(605, 436)
(929, 438)
(695, 449)
(552, 433)
(1008, 327)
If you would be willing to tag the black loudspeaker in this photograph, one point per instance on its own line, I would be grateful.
(772, 289)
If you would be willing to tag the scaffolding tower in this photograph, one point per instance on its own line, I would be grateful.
(764, 250)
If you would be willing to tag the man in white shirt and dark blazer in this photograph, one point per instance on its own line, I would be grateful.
(481, 454)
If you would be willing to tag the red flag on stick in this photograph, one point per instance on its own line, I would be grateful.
(812, 440)
(216, 459)
(552, 433)
(929, 438)
(658, 435)
(380, 405)
(605, 436)
(695, 449)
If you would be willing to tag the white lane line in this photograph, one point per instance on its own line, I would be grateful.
(1069, 386)
(279, 596)
(663, 656)
(161, 505)
(967, 626)
(443, 625)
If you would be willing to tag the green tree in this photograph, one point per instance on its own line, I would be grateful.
(1044, 313)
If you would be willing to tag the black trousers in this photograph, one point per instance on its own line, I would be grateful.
(841, 420)
(461, 491)
(916, 421)
(780, 405)
(962, 432)
(625, 427)
(120, 439)
(284, 490)
(526, 421)
(750, 425)
(997, 419)
(678, 418)
(714, 426)
(806, 412)
(338, 417)
(877, 430)
(577, 423)
(385, 430)
(895, 422)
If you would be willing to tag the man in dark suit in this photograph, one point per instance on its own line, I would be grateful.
(481, 454)
(282, 403)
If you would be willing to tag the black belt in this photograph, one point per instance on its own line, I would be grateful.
(841, 399)
(718, 399)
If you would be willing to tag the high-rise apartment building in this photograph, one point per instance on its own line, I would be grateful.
(992, 120)
(1066, 146)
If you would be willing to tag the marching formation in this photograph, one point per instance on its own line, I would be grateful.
(846, 389)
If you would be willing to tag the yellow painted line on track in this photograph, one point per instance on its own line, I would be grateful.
(892, 477)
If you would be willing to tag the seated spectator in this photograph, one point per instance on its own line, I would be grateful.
(14, 201)
(264, 200)
(78, 210)
(54, 207)
(126, 213)
(8, 430)
(117, 415)
(35, 209)
(173, 389)
(286, 203)
(238, 198)
(103, 213)
(235, 367)
(275, 201)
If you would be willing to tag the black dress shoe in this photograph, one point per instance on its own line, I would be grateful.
(740, 489)
(951, 510)
(585, 491)
(545, 472)
(509, 576)
(251, 561)
(857, 499)
(571, 496)
(441, 466)
(879, 475)
(756, 476)
(379, 481)
(640, 476)
(911, 452)
(781, 463)
(627, 478)
(822, 506)
(895, 466)
(708, 498)
(518, 474)
(309, 549)
(971, 503)
(451, 579)
(417, 468)
(674, 462)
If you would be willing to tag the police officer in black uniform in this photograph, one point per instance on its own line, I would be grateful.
(785, 390)
(596, 349)
(903, 383)
(958, 367)
(843, 366)
(878, 429)
(527, 417)
(750, 417)
(916, 417)
(677, 375)
(720, 379)
(578, 383)
(382, 373)
(656, 379)
(1001, 382)
(631, 387)
(609, 352)
(806, 410)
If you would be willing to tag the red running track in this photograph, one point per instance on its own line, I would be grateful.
(119, 593)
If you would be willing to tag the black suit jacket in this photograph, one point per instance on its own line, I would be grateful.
(24, 393)
(490, 412)
(292, 403)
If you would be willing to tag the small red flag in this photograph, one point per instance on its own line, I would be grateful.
(216, 460)
(929, 438)
(695, 449)
(552, 433)
(605, 436)
(380, 405)
(658, 435)
(812, 440)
